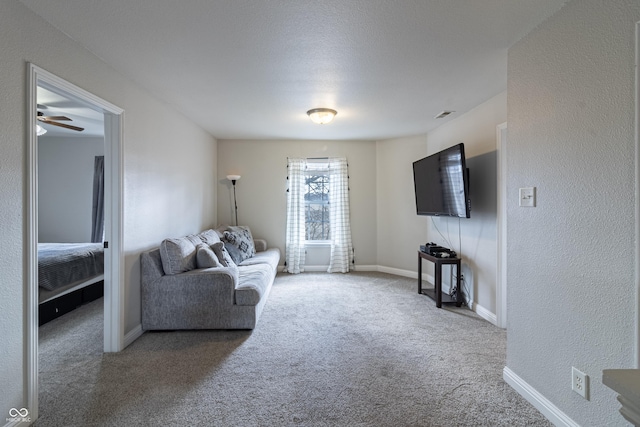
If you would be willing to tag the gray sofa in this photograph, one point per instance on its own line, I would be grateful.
(219, 297)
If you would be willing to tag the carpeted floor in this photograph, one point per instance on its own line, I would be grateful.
(361, 349)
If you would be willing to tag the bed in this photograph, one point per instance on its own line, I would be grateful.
(69, 275)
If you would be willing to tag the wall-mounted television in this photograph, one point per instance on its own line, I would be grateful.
(442, 184)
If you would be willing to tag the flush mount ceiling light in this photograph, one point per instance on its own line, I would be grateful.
(321, 116)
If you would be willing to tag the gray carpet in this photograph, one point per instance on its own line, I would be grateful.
(361, 349)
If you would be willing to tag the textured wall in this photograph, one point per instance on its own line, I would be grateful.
(261, 192)
(169, 168)
(570, 264)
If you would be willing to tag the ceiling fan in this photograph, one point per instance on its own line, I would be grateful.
(55, 120)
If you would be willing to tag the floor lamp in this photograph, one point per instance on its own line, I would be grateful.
(233, 179)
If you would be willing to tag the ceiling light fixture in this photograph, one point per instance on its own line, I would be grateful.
(321, 116)
(40, 130)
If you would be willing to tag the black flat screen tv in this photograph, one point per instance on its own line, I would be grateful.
(442, 184)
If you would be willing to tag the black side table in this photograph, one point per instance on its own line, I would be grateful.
(436, 292)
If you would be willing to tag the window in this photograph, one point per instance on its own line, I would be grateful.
(316, 201)
(318, 211)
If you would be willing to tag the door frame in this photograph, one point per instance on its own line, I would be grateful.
(637, 196)
(114, 259)
(501, 276)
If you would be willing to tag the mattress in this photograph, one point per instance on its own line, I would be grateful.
(60, 264)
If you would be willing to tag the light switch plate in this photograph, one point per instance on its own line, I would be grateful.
(528, 197)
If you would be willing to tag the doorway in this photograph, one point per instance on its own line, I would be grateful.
(113, 258)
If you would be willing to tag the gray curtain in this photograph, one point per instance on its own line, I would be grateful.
(97, 222)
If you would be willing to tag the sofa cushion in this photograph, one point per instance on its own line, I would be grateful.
(269, 257)
(178, 255)
(206, 257)
(253, 284)
(240, 238)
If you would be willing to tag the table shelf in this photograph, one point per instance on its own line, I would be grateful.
(435, 293)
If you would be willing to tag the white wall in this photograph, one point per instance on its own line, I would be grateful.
(65, 187)
(400, 231)
(570, 264)
(169, 171)
(261, 192)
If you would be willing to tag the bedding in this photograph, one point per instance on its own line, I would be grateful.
(60, 264)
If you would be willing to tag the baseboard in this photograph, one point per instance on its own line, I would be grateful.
(365, 268)
(541, 403)
(324, 268)
(404, 273)
(316, 268)
(132, 335)
(485, 314)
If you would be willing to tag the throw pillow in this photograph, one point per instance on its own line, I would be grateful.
(205, 257)
(193, 238)
(177, 255)
(234, 253)
(241, 238)
(223, 256)
(209, 237)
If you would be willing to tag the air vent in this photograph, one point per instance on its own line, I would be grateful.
(443, 114)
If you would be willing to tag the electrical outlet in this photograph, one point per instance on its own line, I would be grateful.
(580, 383)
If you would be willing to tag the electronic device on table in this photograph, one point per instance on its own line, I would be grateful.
(437, 251)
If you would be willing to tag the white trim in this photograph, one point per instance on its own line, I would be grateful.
(405, 273)
(133, 335)
(541, 403)
(320, 243)
(365, 268)
(31, 308)
(114, 258)
(501, 265)
(315, 268)
(485, 314)
(637, 195)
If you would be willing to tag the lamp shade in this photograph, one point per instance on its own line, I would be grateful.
(233, 177)
(321, 116)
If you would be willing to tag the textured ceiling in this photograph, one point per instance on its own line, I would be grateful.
(252, 68)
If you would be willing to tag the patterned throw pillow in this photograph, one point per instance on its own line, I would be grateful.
(205, 257)
(241, 239)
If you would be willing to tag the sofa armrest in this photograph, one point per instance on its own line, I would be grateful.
(260, 245)
(195, 299)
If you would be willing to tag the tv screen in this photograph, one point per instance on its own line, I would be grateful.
(441, 184)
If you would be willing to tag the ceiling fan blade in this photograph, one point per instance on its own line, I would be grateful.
(62, 125)
(64, 118)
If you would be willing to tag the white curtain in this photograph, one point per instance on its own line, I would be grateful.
(295, 234)
(341, 246)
